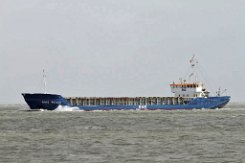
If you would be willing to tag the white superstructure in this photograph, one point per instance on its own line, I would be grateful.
(190, 89)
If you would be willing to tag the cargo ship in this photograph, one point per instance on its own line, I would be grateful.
(187, 95)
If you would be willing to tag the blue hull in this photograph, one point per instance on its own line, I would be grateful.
(53, 101)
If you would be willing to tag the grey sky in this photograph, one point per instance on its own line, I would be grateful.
(119, 47)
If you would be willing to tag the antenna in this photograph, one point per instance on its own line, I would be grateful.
(44, 82)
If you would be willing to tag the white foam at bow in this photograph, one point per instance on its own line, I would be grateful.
(66, 108)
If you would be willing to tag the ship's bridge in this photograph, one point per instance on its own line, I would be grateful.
(189, 90)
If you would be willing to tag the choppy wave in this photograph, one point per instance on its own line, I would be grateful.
(198, 135)
(14, 107)
(235, 105)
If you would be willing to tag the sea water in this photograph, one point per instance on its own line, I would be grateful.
(122, 136)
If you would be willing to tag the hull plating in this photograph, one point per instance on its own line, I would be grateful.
(52, 101)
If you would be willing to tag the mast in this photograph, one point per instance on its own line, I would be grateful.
(44, 82)
(193, 74)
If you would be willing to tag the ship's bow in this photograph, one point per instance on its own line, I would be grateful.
(44, 101)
